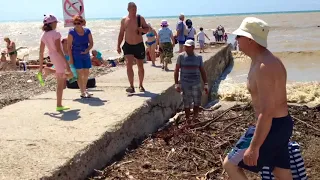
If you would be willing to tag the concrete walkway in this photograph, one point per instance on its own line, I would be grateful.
(38, 143)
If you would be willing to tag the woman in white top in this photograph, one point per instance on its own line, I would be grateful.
(191, 30)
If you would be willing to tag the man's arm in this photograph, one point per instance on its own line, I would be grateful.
(203, 75)
(203, 72)
(145, 27)
(178, 28)
(176, 70)
(121, 33)
(266, 90)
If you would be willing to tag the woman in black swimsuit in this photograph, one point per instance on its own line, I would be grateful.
(12, 52)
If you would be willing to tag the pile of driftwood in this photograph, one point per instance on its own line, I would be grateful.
(197, 150)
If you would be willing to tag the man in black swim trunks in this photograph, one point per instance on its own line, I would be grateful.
(265, 144)
(133, 47)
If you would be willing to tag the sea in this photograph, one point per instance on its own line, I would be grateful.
(294, 37)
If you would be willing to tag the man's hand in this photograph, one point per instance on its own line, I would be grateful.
(119, 49)
(251, 156)
(206, 88)
(178, 88)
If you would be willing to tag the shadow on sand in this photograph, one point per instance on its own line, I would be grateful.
(70, 115)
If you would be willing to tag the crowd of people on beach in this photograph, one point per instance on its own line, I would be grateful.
(265, 144)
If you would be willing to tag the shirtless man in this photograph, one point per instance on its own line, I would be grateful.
(267, 143)
(133, 47)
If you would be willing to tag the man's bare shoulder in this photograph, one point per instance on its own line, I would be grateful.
(270, 66)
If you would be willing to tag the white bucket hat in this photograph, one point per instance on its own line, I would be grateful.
(255, 29)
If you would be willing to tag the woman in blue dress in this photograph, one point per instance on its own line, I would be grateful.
(80, 42)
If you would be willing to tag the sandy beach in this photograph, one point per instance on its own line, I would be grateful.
(296, 42)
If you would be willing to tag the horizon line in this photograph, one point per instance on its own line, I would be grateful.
(195, 15)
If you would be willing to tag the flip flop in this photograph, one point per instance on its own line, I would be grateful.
(39, 76)
(130, 90)
(88, 94)
(141, 89)
(85, 95)
(62, 108)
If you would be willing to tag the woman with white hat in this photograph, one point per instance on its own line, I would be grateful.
(166, 43)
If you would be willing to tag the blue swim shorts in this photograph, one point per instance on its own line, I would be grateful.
(274, 150)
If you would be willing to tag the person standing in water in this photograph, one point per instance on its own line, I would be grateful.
(265, 144)
(152, 43)
(12, 52)
(52, 40)
(133, 47)
(80, 42)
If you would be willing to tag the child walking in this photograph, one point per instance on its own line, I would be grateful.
(52, 40)
(201, 38)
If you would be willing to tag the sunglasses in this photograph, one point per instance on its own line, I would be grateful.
(78, 23)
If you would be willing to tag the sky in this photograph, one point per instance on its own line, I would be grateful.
(34, 9)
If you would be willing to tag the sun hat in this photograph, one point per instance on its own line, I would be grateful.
(164, 23)
(49, 19)
(255, 29)
(189, 43)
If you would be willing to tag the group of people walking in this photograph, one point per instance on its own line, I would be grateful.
(266, 144)
(66, 54)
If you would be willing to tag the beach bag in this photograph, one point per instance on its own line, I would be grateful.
(74, 85)
(139, 22)
(296, 164)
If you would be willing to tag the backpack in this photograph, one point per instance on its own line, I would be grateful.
(139, 22)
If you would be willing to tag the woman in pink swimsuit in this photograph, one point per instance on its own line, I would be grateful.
(52, 40)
